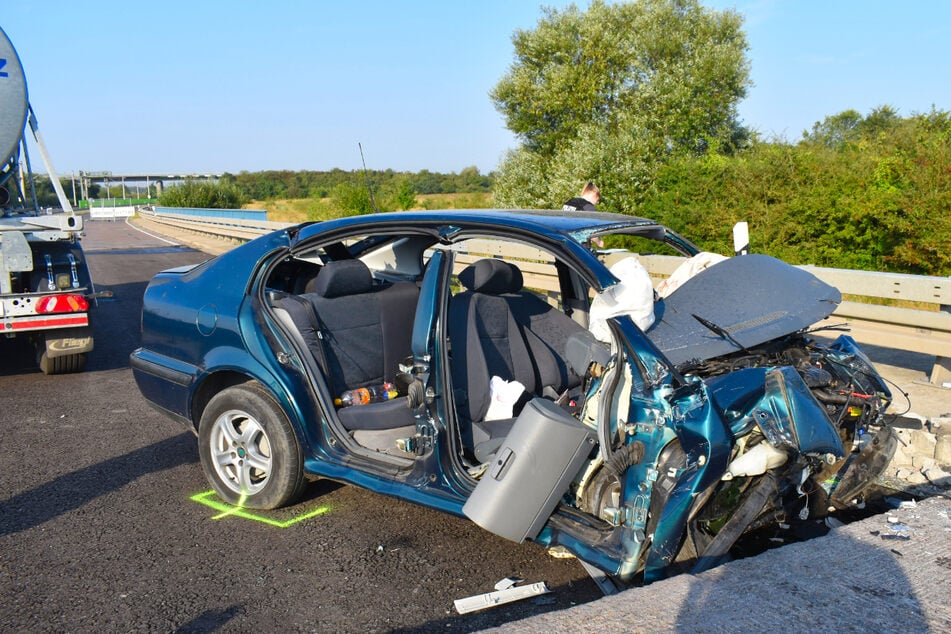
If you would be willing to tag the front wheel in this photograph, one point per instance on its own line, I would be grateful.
(248, 449)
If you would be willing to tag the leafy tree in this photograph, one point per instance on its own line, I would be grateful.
(272, 185)
(613, 92)
(427, 182)
(405, 195)
(836, 130)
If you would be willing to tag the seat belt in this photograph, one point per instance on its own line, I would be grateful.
(323, 335)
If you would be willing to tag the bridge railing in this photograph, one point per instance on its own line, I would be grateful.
(869, 305)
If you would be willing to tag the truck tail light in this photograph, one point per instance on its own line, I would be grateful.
(61, 304)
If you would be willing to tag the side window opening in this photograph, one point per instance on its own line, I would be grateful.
(537, 266)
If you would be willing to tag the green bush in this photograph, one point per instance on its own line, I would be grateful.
(202, 195)
(870, 194)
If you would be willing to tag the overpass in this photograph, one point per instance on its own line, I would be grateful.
(158, 179)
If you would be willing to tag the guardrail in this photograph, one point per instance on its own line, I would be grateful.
(912, 329)
(234, 228)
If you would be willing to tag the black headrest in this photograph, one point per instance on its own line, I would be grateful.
(310, 285)
(306, 277)
(493, 277)
(343, 277)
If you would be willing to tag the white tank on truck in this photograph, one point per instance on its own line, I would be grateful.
(46, 292)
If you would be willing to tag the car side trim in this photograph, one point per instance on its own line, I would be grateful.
(155, 367)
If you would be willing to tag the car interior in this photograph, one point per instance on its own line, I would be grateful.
(358, 325)
(496, 329)
(359, 331)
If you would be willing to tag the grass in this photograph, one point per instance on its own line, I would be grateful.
(455, 201)
(296, 209)
(897, 303)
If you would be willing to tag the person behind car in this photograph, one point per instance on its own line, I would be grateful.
(590, 197)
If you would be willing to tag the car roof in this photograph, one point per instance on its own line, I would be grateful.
(563, 220)
(579, 224)
(578, 227)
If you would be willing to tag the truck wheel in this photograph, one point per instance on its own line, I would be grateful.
(62, 365)
(248, 449)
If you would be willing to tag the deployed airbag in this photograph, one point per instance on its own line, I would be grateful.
(633, 295)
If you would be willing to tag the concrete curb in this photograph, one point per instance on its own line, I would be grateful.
(887, 573)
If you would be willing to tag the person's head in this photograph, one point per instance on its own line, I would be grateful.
(591, 193)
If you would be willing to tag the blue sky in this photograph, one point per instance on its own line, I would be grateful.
(206, 86)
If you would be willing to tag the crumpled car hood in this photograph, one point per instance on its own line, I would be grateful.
(754, 298)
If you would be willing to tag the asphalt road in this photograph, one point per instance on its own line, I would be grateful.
(99, 531)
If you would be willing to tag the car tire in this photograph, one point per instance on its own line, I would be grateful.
(248, 449)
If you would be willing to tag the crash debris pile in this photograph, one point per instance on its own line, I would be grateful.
(923, 455)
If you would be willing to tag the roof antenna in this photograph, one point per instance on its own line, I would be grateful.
(366, 177)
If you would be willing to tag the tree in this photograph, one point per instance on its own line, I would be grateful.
(836, 130)
(405, 195)
(612, 92)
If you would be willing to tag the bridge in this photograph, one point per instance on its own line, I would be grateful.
(158, 179)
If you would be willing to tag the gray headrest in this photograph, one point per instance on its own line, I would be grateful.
(493, 277)
(343, 277)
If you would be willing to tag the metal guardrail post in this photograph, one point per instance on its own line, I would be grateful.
(941, 371)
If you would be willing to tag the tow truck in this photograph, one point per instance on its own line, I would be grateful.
(46, 291)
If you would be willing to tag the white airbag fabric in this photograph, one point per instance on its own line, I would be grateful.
(633, 295)
(688, 269)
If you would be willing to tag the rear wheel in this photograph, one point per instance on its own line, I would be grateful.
(248, 449)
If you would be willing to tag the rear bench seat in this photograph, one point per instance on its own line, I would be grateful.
(359, 331)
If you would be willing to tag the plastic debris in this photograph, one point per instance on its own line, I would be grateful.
(560, 552)
(603, 581)
(498, 597)
(507, 583)
(896, 531)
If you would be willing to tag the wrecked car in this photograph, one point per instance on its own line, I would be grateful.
(491, 364)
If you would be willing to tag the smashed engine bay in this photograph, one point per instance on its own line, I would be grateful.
(762, 428)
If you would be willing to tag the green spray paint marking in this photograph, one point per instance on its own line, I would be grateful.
(209, 499)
